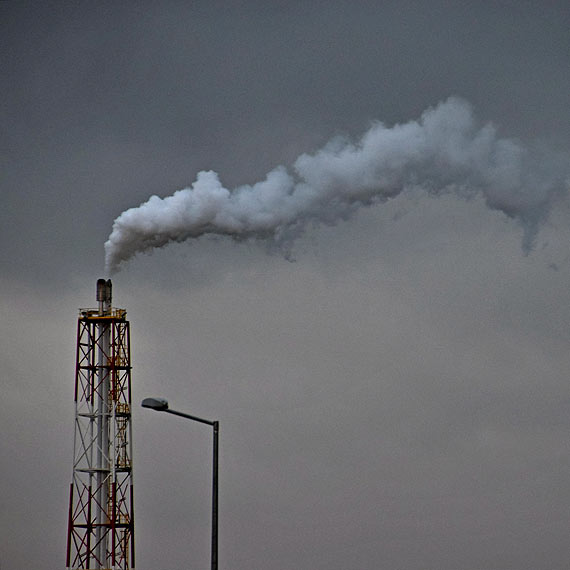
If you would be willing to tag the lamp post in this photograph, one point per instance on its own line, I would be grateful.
(161, 405)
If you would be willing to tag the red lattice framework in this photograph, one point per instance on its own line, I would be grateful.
(101, 522)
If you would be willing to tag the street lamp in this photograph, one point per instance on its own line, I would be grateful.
(161, 405)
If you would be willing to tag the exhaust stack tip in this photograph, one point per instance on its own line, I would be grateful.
(104, 294)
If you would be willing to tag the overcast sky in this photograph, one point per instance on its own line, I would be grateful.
(395, 396)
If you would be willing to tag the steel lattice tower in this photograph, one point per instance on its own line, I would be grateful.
(101, 516)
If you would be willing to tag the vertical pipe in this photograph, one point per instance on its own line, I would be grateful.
(102, 444)
(77, 358)
(69, 526)
(113, 523)
(132, 527)
(89, 527)
(103, 338)
(216, 427)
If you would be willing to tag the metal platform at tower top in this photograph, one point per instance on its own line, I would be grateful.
(113, 313)
(101, 515)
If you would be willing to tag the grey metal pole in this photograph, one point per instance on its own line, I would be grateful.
(215, 452)
(216, 426)
(161, 405)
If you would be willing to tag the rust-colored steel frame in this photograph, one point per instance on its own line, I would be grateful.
(101, 516)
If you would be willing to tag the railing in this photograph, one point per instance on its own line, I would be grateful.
(112, 313)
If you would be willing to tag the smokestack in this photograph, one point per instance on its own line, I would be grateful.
(444, 151)
(104, 295)
(101, 519)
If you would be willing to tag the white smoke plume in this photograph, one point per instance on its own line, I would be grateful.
(445, 150)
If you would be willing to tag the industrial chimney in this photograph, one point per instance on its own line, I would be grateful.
(101, 522)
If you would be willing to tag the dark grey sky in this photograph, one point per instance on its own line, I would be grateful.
(398, 396)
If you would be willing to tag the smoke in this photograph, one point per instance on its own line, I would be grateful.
(446, 150)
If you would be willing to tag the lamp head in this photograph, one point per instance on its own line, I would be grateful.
(158, 404)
